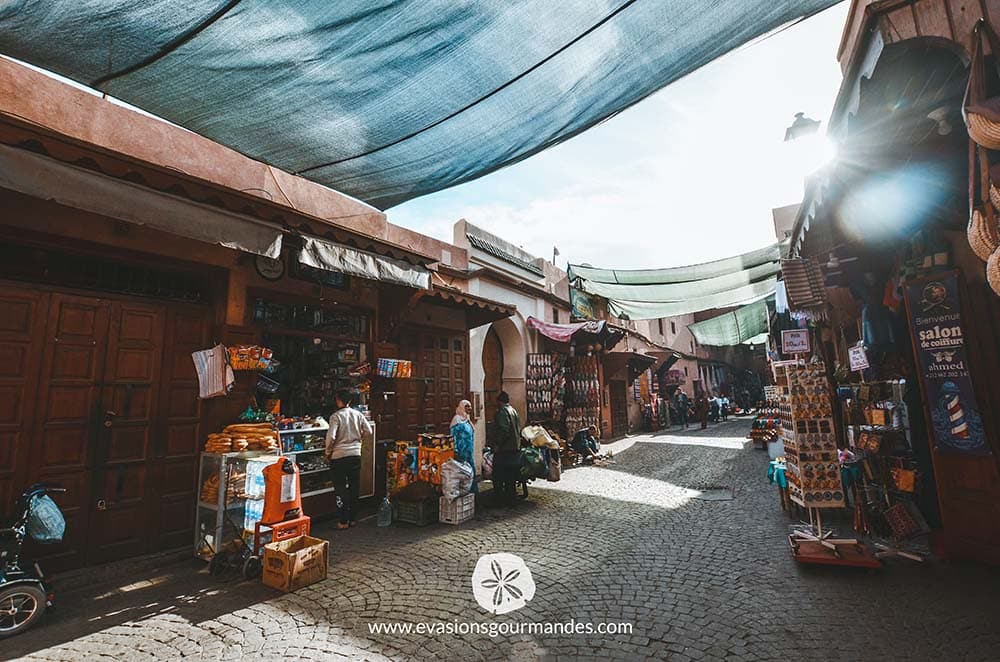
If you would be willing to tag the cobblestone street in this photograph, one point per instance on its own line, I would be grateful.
(632, 542)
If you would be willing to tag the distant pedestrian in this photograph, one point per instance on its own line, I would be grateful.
(701, 409)
(725, 408)
(506, 447)
(683, 404)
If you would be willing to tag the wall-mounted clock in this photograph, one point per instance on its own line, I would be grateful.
(269, 268)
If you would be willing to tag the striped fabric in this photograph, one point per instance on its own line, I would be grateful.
(804, 283)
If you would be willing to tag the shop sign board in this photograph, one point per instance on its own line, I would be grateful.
(858, 357)
(795, 341)
(938, 332)
(583, 305)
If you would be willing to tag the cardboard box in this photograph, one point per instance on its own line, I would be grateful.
(291, 564)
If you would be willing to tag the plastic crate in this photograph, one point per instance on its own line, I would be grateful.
(420, 513)
(458, 510)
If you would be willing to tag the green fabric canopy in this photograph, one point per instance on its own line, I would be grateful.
(747, 324)
(659, 293)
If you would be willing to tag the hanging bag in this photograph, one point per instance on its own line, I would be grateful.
(981, 112)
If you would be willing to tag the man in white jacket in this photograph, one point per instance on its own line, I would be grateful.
(348, 428)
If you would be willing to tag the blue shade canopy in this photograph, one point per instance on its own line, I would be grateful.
(385, 100)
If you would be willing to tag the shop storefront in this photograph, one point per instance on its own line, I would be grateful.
(566, 387)
(884, 345)
(117, 269)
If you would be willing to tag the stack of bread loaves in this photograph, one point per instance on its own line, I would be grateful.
(243, 437)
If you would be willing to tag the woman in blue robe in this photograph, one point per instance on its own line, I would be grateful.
(465, 438)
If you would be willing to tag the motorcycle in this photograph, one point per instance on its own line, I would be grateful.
(25, 593)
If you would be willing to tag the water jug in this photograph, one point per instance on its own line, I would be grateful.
(385, 512)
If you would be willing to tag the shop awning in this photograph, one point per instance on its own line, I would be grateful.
(597, 330)
(44, 177)
(745, 324)
(479, 310)
(615, 364)
(665, 359)
(658, 293)
(385, 100)
(321, 254)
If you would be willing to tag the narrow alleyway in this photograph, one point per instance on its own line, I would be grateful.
(637, 542)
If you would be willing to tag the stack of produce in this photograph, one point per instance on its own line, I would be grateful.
(243, 437)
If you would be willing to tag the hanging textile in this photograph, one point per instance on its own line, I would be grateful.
(215, 375)
(385, 100)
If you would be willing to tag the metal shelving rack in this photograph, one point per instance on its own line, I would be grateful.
(211, 523)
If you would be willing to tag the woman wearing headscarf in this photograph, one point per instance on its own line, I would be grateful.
(465, 438)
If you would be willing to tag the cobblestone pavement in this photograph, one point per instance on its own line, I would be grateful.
(631, 542)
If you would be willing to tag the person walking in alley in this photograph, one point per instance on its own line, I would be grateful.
(348, 429)
(506, 445)
(465, 438)
(683, 405)
(701, 408)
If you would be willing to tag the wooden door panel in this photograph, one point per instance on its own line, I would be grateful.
(123, 515)
(179, 427)
(22, 330)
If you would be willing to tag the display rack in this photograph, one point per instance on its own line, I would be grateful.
(545, 386)
(808, 435)
(222, 498)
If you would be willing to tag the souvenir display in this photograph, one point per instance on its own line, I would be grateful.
(545, 385)
(583, 394)
(806, 412)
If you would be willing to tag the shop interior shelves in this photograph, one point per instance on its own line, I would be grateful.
(324, 490)
(303, 430)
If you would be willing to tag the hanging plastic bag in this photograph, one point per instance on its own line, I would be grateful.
(46, 523)
(533, 464)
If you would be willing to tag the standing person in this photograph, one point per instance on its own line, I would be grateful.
(701, 409)
(506, 449)
(683, 404)
(465, 438)
(725, 408)
(348, 428)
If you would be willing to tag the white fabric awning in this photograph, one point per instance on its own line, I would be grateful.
(321, 254)
(44, 177)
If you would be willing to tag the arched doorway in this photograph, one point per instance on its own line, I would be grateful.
(493, 372)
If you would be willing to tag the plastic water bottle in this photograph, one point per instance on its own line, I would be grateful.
(385, 512)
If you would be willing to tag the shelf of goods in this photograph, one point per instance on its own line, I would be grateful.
(306, 447)
(545, 385)
(808, 435)
(583, 394)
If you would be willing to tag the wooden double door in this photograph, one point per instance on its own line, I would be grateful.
(100, 395)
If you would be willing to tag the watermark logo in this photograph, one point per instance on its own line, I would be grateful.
(502, 583)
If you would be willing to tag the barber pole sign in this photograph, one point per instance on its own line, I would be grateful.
(935, 311)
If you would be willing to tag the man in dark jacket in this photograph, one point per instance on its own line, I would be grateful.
(506, 448)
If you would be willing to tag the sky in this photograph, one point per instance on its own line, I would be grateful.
(688, 175)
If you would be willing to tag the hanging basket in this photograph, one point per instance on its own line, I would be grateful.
(984, 238)
(993, 271)
(982, 112)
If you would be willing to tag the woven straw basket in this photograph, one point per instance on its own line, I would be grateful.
(981, 129)
(994, 191)
(983, 234)
(993, 271)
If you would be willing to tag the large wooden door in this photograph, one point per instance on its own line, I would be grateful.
(427, 401)
(492, 372)
(66, 405)
(100, 396)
